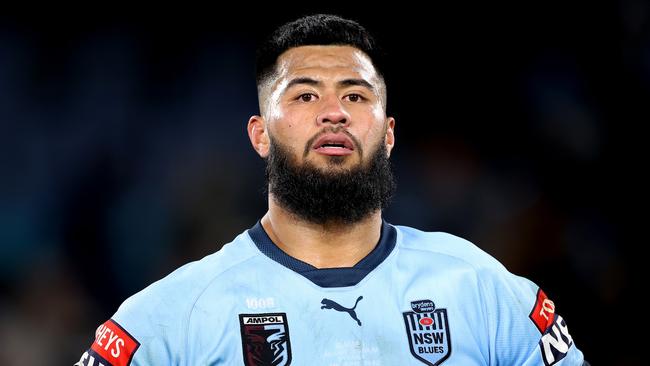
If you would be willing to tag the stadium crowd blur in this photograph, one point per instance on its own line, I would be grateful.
(123, 155)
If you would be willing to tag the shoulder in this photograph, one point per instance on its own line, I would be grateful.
(443, 244)
(154, 321)
(456, 253)
(170, 299)
(514, 309)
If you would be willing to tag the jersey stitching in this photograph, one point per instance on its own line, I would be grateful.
(476, 271)
(200, 294)
(488, 325)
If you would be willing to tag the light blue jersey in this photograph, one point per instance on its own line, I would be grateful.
(417, 299)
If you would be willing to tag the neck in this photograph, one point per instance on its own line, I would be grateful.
(329, 245)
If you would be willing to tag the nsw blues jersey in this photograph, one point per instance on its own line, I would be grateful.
(418, 298)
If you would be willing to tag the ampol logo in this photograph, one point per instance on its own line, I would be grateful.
(265, 339)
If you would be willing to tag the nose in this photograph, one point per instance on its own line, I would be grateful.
(333, 112)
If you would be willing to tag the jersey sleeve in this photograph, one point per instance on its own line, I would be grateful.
(140, 333)
(523, 324)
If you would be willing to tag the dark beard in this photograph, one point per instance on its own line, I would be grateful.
(340, 196)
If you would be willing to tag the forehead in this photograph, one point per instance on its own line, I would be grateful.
(346, 61)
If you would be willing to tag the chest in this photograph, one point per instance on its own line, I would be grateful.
(379, 322)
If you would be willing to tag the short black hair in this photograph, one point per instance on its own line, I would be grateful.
(318, 29)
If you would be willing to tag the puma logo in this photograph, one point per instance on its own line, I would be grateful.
(330, 304)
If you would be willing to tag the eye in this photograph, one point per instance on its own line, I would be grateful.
(306, 97)
(355, 98)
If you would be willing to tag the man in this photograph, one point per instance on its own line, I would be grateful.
(321, 279)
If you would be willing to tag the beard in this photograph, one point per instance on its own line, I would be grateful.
(336, 196)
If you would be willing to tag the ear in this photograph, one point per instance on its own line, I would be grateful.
(258, 135)
(390, 134)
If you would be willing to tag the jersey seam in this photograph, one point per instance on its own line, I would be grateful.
(461, 259)
(485, 313)
(200, 294)
(476, 271)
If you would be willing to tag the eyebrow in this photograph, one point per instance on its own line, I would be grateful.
(342, 83)
(357, 82)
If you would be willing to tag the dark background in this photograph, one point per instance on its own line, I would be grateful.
(123, 152)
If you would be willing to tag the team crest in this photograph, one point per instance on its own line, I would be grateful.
(265, 339)
(428, 332)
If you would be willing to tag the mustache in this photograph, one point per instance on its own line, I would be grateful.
(310, 142)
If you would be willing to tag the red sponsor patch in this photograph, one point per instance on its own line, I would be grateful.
(426, 321)
(543, 312)
(114, 344)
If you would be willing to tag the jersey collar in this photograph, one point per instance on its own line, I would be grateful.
(328, 277)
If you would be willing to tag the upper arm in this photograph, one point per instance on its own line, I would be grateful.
(141, 332)
(524, 326)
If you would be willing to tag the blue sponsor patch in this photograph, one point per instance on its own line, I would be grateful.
(423, 306)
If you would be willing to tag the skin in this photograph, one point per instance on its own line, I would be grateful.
(293, 113)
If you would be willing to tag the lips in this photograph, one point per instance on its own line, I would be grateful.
(334, 144)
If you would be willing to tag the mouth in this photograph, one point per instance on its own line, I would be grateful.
(334, 145)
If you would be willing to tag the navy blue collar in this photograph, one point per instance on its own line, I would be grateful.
(328, 277)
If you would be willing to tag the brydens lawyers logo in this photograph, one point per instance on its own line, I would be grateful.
(265, 339)
(428, 331)
(113, 346)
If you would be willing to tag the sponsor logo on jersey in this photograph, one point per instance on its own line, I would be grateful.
(255, 303)
(265, 339)
(113, 346)
(428, 332)
(555, 342)
(331, 304)
(543, 312)
(423, 306)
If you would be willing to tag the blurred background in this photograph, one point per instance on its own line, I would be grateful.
(123, 152)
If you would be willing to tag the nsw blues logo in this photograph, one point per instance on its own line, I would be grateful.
(265, 339)
(428, 331)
